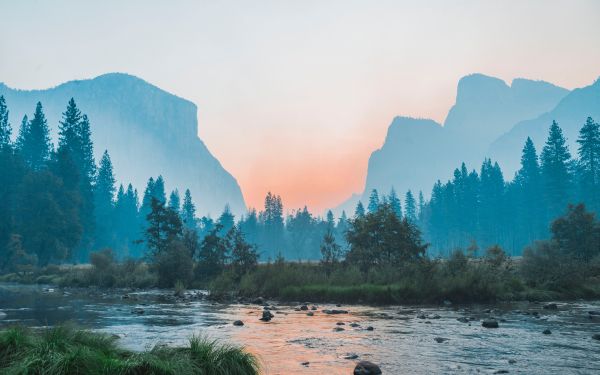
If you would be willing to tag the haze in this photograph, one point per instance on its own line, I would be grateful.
(294, 96)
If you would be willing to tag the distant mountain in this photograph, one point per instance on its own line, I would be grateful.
(418, 152)
(570, 113)
(146, 130)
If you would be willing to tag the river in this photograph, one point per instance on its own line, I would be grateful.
(403, 339)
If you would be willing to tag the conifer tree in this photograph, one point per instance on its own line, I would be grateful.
(104, 194)
(188, 211)
(394, 203)
(174, 201)
(360, 210)
(528, 210)
(373, 201)
(35, 146)
(410, 206)
(226, 220)
(5, 129)
(23, 130)
(556, 176)
(589, 164)
(158, 191)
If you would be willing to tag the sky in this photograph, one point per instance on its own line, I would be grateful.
(293, 96)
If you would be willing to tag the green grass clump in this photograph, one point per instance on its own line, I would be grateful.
(64, 350)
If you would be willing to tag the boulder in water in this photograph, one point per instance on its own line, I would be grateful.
(238, 323)
(490, 323)
(266, 316)
(547, 332)
(366, 368)
(551, 306)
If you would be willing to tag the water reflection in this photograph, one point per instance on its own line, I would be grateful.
(402, 340)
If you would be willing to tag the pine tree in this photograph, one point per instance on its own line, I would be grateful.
(35, 146)
(410, 207)
(175, 201)
(330, 220)
(360, 210)
(5, 129)
(589, 164)
(159, 190)
(226, 220)
(188, 211)
(104, 194)
(68, 130)
(373, 201)
(421, 205)
(528, 212)
(88, 164)
(23, 131)
(394, 202)
(556, 176)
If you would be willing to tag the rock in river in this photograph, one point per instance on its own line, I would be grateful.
(238, 323)
(366, 368)
(547, 332)
(489, 323)
(335, 311)
(266, 316)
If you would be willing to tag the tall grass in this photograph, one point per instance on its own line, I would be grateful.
(65, 350)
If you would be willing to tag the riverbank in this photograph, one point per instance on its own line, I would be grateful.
(64, 350)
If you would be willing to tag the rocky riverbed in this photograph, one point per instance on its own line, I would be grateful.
(306, 338)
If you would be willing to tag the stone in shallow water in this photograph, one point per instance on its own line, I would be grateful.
(547, 332)
(596, 336)
(440, 339)
(351, 356)
(489, 323)
(367, 368)
(238, 323)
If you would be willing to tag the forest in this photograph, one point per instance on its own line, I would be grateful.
(59, 207)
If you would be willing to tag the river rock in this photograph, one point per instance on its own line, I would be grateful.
(303, 307)
(238, 323)
(596, 336)
(440, 339)
(310, 313)
(594, 312)
(313, 307)
(266, 316)
(551, 306)
(370, 328)
(138, 311)
(547, 332)
(489, 323)
(351, 356)
(333, 312)
(354, 325)
(463, 319)
(258, 301)
(338, 329)
(305, 364)
(367, 368)
(340, 323)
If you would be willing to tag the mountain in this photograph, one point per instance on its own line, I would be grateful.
(570, 113)
(147, 131)
(418, 152)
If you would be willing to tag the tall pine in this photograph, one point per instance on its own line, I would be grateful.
(34, 140)
(556, 176)
(5, 129)
(104, 195)
(589, 164)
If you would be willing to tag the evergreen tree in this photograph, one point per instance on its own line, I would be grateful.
(360, 210)
(188, 211)
(556, 176)
(330, 220)
(226, 220)
(164, 228)
(158, 191)
(243, 255)
(589, 164)
(5, 129)
(394, 203)
(104, 194)
(529, 201)
(68, 130)
(410, 207)
(175, 201)
(35, 144)
(373, 201)
(331, 252)
(421, 204)
(23, 131)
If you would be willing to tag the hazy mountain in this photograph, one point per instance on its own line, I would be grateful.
(146, 130)
(418, 152)
(570, 113)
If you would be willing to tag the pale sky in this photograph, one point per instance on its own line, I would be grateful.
(293, 96)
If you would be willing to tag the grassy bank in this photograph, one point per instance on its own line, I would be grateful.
(64, 350)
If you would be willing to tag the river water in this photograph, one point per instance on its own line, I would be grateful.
(402, 339)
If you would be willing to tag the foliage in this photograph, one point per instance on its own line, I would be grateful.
(64, 350)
